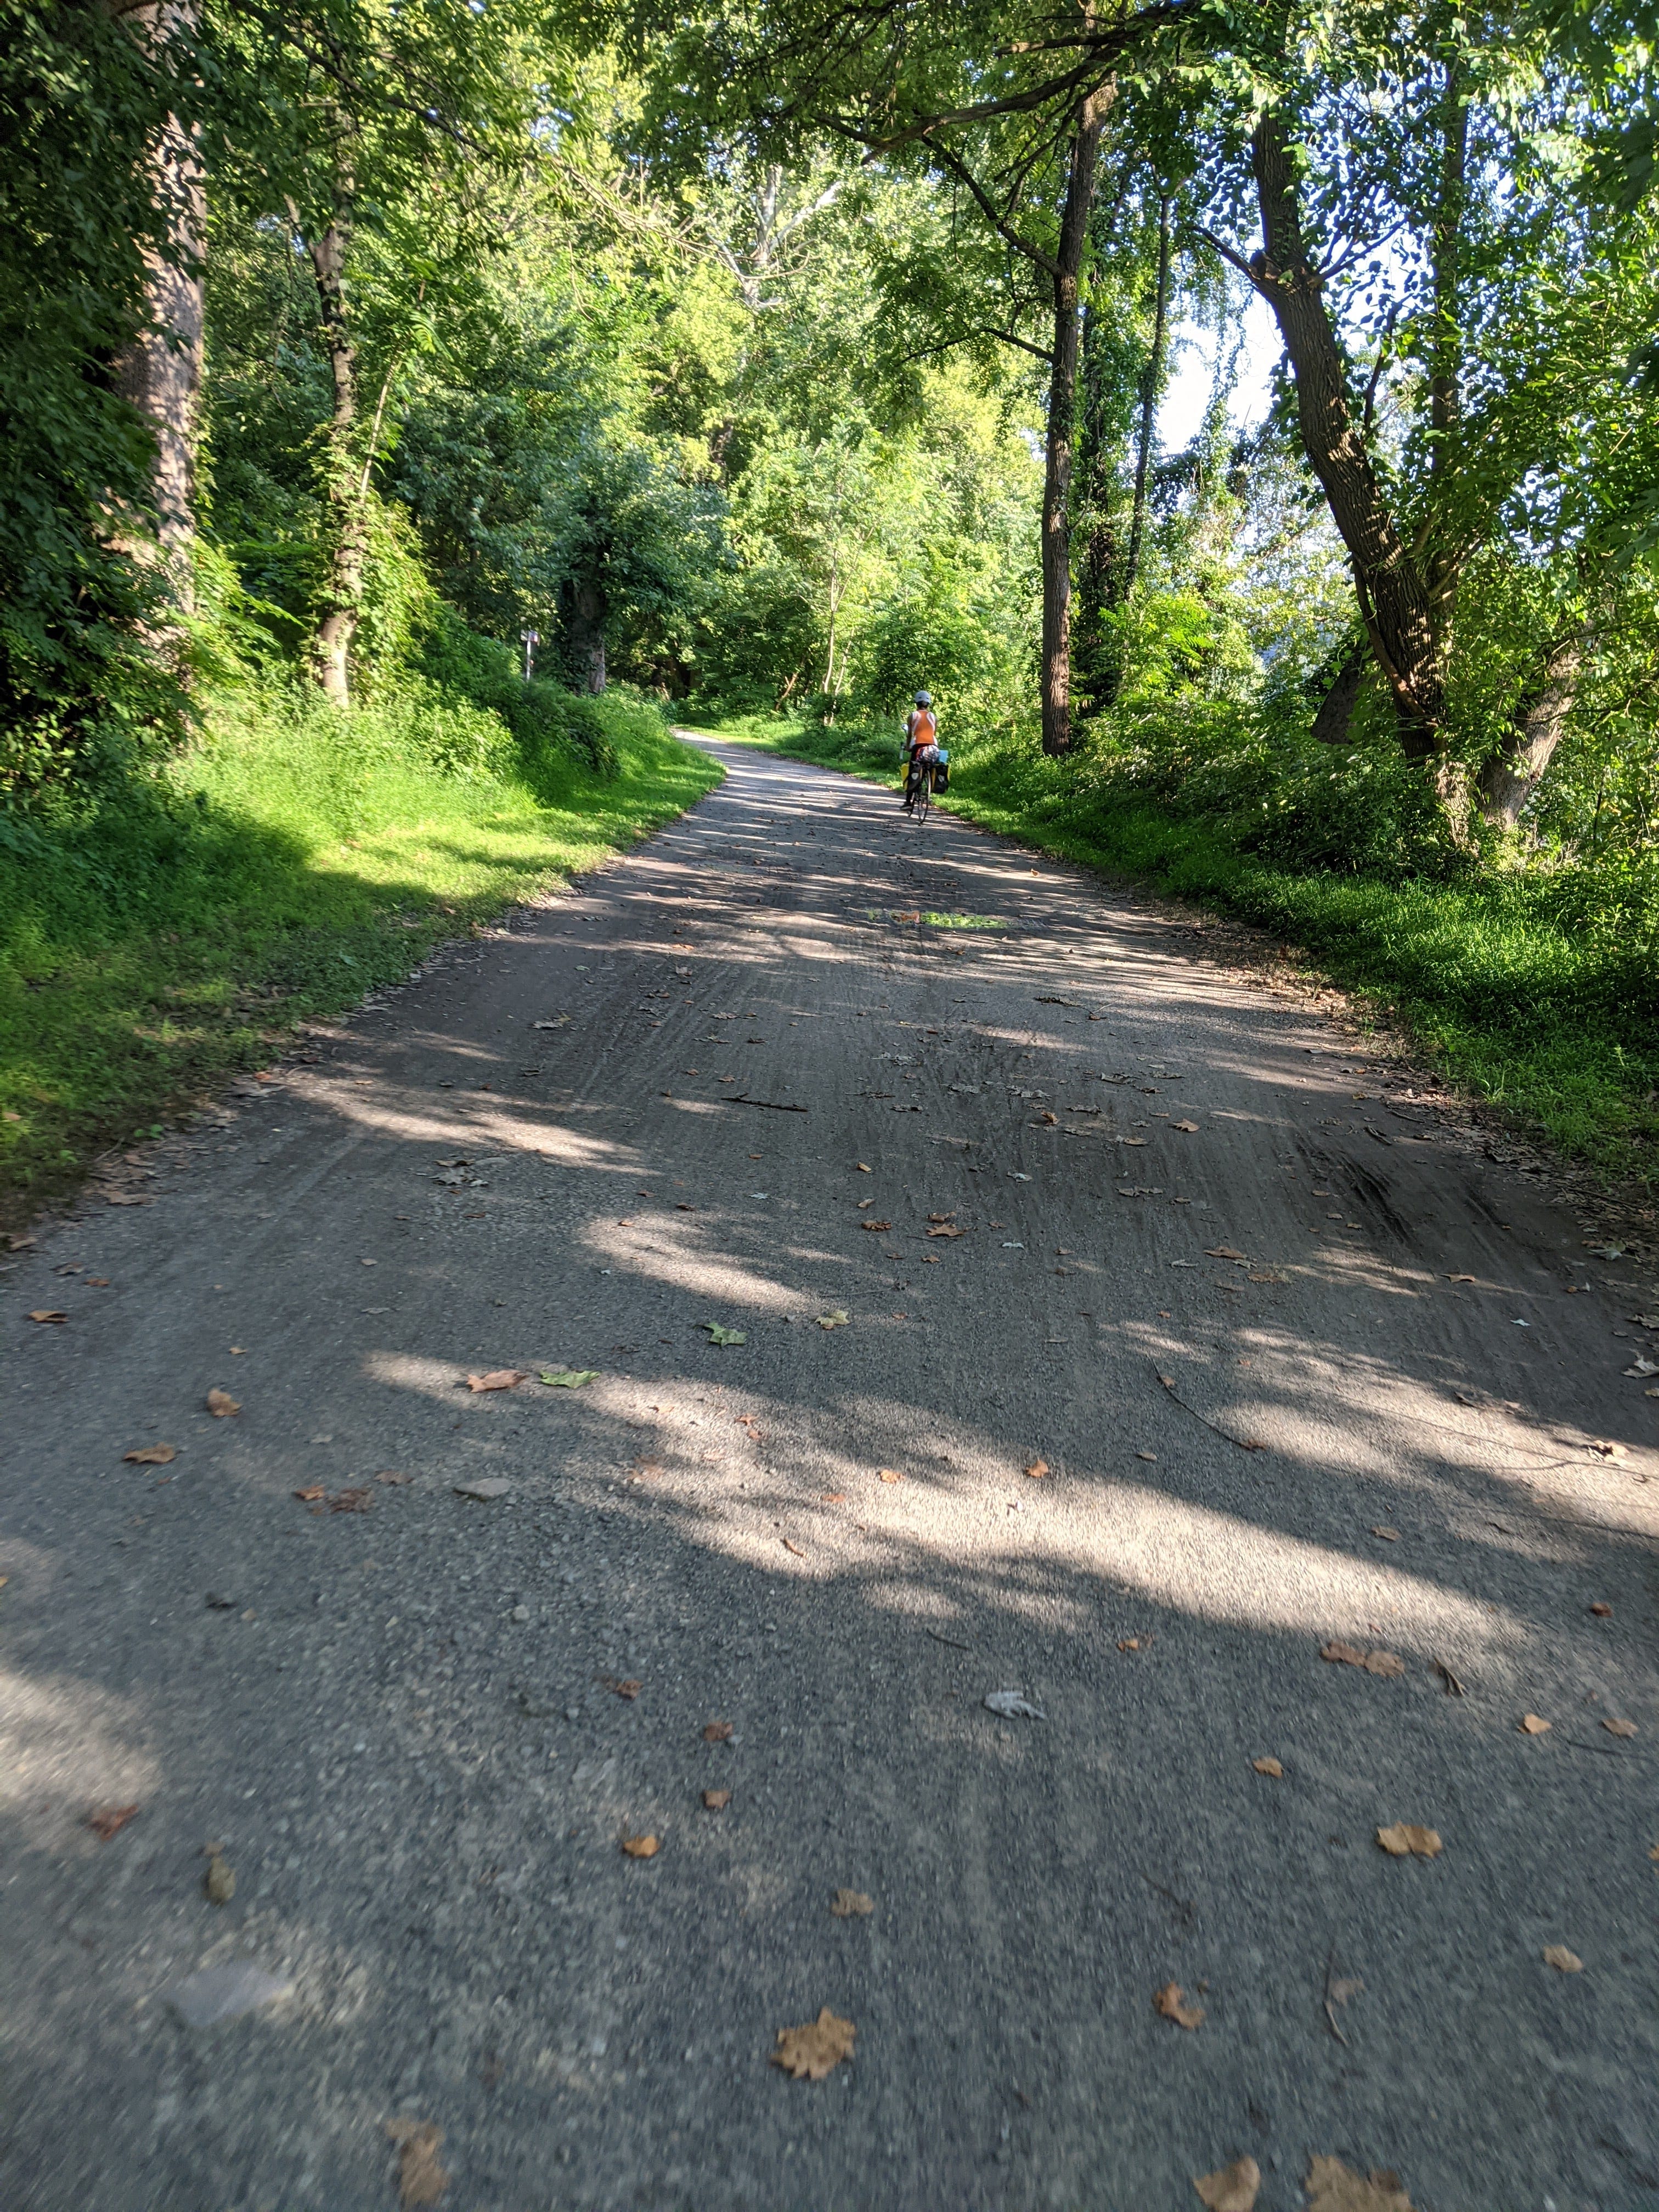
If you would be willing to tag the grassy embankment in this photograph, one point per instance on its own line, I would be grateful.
(1533, 991)
(293, 859)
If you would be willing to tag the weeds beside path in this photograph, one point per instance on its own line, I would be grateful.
(291, 864)
(1551, 1016)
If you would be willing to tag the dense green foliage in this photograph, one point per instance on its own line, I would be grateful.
(730, 362)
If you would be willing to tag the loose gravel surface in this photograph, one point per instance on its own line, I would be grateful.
(1305, 1369)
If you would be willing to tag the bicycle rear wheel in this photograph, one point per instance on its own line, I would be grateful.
(924, 797)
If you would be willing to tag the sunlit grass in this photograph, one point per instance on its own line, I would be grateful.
(292, 862)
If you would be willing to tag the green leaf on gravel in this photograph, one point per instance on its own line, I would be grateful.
(568, 1378)
(836, 1319)
(719, 1335)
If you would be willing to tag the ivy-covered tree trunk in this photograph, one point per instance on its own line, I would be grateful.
(161, 373)
(344, 484)
(1067, 274)
(1151, 383)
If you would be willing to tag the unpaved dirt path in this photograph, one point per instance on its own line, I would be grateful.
(397, 1721)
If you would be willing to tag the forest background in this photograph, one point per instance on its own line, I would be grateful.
(406, 407)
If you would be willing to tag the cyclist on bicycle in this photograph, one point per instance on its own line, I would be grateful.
(921, 739)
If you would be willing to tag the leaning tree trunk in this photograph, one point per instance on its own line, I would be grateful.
(1398, 606)
(160, 373)
(1515, 769)
(1067, 272)
(1330, 724)
(341, 603)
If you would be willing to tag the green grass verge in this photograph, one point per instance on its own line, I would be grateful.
(1554, 1018)
(292, 860)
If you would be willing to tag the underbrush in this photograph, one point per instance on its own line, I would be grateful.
(172, 929)
(1531, 985)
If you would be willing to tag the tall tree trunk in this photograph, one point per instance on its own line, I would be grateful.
(1399, 608)
(1062, 405)
(585, 630)
(340, 607)
(1515, 769)
(161, 372)
(1149, 392)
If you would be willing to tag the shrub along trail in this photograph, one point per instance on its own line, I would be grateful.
(1273, 1447)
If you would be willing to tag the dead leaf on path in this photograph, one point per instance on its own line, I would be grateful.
(1388, 1663)
(1230, 2188)
(1191, 1127)
(1602, 1611)
(800, 1550)
(151, 1456)
(311, 1493)
(716, 1801)
(942, 1216)
(499, 1378)
(1132, 1642)
(1459, 1278)
(222, 1404)
(109, 1820)
(851, 1905)
(1619, 1728)
(718, 1732)
(1037, 1469)
(946, 1231)
(421, 2178)
(47, 1313)
(387, 1476)
(1403, 1840)
(1269, 1767)
(1389, 1535)
(861, 1166)
(876, 1228)
(1166, 2002)
(1223, 1252)
(808, 2053)
(1564, 1961)
(1341, 1991)
(1334, 2187)
(219, 1883)
(1265, 1275)
(890, 1474)
(641, 1847)
(833, 1498)
(1602, 1449)
(1533, 1724)
(351, 1501)
(630, 1689)
(1454, 1687)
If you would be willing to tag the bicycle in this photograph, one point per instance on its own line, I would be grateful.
(919, 790)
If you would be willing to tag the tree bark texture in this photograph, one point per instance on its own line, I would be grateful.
(340, 607)
(1395, 600)
(1330, 724)
(161, 374)
(585, 631)
(1150, 383)
(1515, 769)
(1067, 274)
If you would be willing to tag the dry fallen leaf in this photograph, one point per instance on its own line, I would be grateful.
(1222, 1252)
(1534, 1725)
(1374, 1662)
(876, 1228)
(1619, 1728)
(222, 1404)
(1230, 2188)
(1389, 1535)
(1334, 2187)
(1037, 1469)
(1166, 2002)
(421, 2178)
(311, 1493)
(945, 1231)
(1565, 1961)
(1404, 1841)
(47, 1313)
(1132, 1643)
(351, 1501)
(220, 1880)
(1459, 1278)
(808, 2053)
(499, 1378)
(851, 1905)
(388, 1476)
(1602, 1611)
(1189, 1127)
(890, 1474)
(110, 1819)
(151, 1456)
(1269, 1767)
(641, 1847)
(718, 1732)
(716, 1801)
(630, 1689)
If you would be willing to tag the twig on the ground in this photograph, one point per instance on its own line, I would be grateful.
(1239, 1443)
(1454, 1687)
(1330, 2017)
